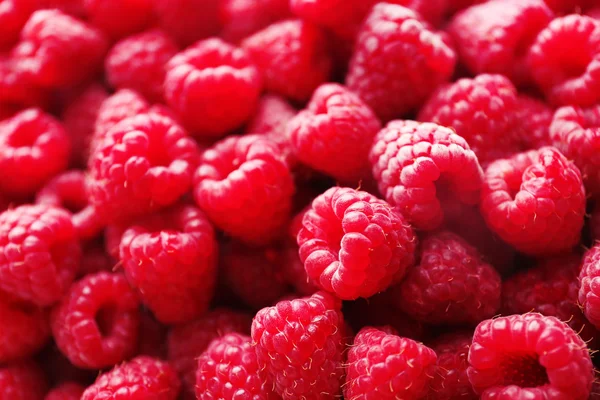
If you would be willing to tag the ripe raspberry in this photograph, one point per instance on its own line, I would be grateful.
(170, 259)
(138, 62)
(384, 366)
(29, 139)
(535, 201)
(416, 165)
(119, 18)
(58, 50)
(96, 324)
(242, 18)
(144, 163)
(213, 87)
(228, 370)
(39, 253)
(188, 20)
(16, 88)
(573, 77)
(292, 56)
(482, 110)
(245, 188)
(416, 60)
(22, 381)
(495, 36)
(594, 224)
(13, 15)
(588, 290)
(299, 346)
(141, 378)
(534, 118)
(71, 7)
(529, 356)
(66, 391)
(570, 6)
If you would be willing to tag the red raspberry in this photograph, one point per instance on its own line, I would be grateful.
(573, 77)
(534, 118)
(141, 378)
(417, 164)
(529, 356)
(228, 370)
(58, 50)
(353, 244)
(589, 295)
(144, 163)
(213, 87)
(13, 15)
(451, 285)
(569, 6)
(71, 7)
(594, 224)
(384, 366)
(66, 391)
(186, 342)
(334, 133)
(482, 110)
(241, 18)
(138, 62)
(535, 201)
(119, 18)
(170, 259)
(299, 346)
(188, 20)
(39, 253)
(96, 324)
(292, 56)
(416, 60)
(245, 188)
(22, 381)
(495, 36)
(16, 88)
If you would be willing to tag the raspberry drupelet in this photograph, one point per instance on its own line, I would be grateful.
(188, 20)
(589, 295)
(119, 18)
(417, 165)
(529, 356)
(96, 323)
(535, 201)
(23, 380)
(66, 391)
(242, 18)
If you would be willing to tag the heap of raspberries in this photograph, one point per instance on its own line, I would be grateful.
(299, 199)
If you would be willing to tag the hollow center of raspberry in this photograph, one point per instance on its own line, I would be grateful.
(157, 155)
(523, 370)
(105, 318)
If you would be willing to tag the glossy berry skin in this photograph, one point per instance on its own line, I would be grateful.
(23, 380)
(299, 346)
(535, 201)
(382, 365)
(417, 164)
(529, 356)
(533, 122)
(201, 81)
(170, 259)
(119, 18)
(66, 391)
(96, 324)
(589, 295)
(242, 18)
(188, 20)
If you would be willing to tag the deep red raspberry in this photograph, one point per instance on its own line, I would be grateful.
(535, 201)
(482, 110)
(186, 342)
(71, 7)
(138, 62)
(188, 20)
(228, 370)
(299, 345)
(416, 165)
(414, 61)
(66, 391)
(96, 324)
(144, 163)
(529, 356)
(119, 18)
(594, 224)
(170, 259)
(292, 56)
(141, 378)
(533, 122)
(213, 87)
(16, 89)
(589, 295)
(570, 6)
(22, 381)
(245, 188)
(13, 15)
(382, 365)
(573, 77)
(241, 18)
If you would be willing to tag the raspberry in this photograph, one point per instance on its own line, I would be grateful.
(170, 259)
(138, 62)
(588, 291)
(202, 82)
(228, 370)
(571, 78)
(568, 6)
(71, 7)
(119, 18)
(66, 391)
(451, 284)
(188, 20)
(299, 346)
(384, 366)
(58, 50)
(16, 88)
(535, 201)
(39, 253)
(334, 133)
(186, 342)
(96, 324)
(22, 381)
(482, 110)
(13, 15)
(495, 36)
(415, 61)
(144, 163)
(29, 139)
(417, 164)
(534, 118)
(529, 356)
(594, 224)
(292, 56)
(245, 188)
(241, 18)
(141, 378)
